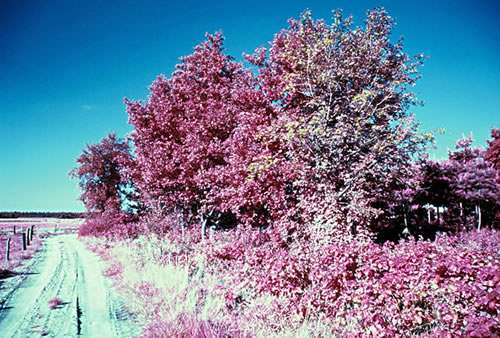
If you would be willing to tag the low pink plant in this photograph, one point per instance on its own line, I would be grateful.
(113, 270)
(54, 303)
(449, 286)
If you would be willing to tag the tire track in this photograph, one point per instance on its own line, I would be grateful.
(30, 313)
(71, 273)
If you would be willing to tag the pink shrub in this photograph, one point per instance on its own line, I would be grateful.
(114, 269)
(418, 287)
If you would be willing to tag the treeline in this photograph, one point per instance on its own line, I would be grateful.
(317, 134)
(47, 214)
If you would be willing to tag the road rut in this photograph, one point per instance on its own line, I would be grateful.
(67, 270)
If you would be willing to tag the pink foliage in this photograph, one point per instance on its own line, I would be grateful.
(197, 141)
(492, 153)
(449, 286)
(108, 192)
(187, 325)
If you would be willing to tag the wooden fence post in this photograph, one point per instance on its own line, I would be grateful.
(7, 250)
(14, 229)
(28, 237)
(31, 232)
(24, 241)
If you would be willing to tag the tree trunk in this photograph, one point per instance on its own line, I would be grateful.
(180, 221)
(204, 221)
(203, 226)
(478, 213)
(462, 214)
(406, 232)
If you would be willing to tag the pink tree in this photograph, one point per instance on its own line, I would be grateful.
(196, 139)
(341, 97)
(474, 181)
(492, 153)
(108, 193)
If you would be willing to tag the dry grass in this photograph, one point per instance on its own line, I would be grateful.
(174, 299)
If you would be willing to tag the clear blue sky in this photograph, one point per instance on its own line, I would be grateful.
(65, 67)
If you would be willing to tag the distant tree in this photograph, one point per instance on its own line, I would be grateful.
(104, 175)
(492, 156)
(395, 217)
(474, 182)
(59, 214)
(435, 188)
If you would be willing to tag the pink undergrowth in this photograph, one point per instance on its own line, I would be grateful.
(447, 287)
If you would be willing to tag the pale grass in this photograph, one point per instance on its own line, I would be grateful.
(179, 292)
(263, 322)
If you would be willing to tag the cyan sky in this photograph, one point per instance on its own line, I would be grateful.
(65, 67)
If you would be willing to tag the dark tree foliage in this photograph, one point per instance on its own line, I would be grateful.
(461, 192)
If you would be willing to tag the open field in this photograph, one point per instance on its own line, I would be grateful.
(42, 225)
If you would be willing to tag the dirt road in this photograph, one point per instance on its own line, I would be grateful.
(67, 270)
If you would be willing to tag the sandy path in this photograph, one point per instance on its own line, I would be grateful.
(67, 270)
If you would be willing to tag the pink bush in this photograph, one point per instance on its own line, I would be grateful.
(414, 287)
